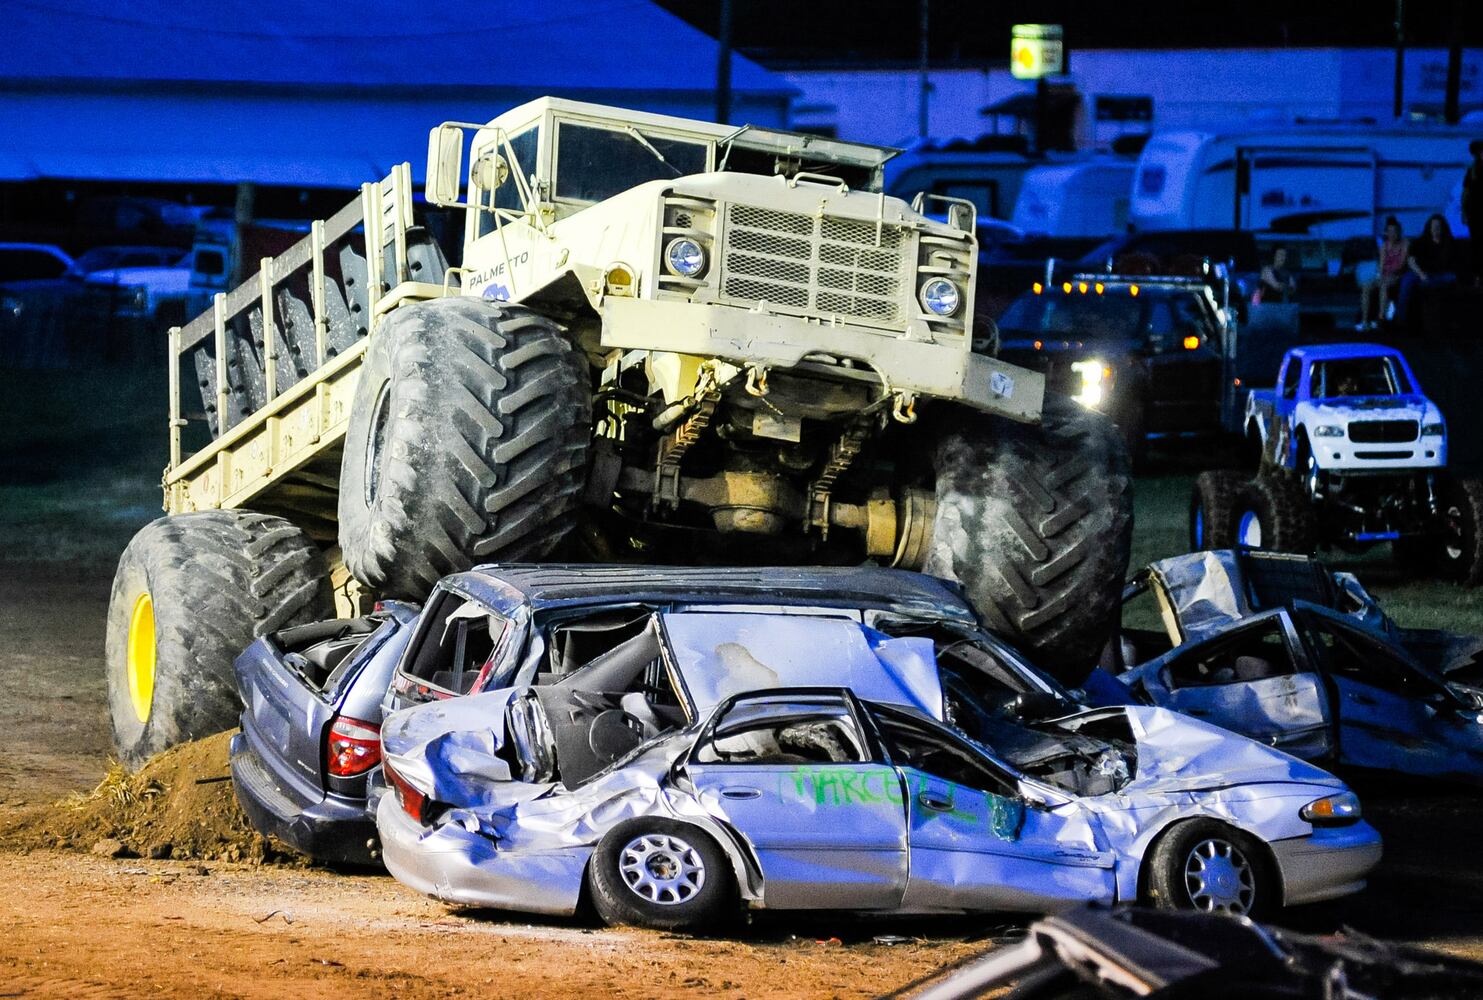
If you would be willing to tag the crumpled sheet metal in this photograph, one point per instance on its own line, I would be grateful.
(518, 846)
(1205, 591)
(721, 655)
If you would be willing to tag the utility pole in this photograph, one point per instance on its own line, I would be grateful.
(1454, 65)
(924, 85)
(1400, 57)
(723, 66)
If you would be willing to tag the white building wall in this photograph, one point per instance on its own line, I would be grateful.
(1189, 88)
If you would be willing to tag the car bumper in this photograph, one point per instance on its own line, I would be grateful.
(1411, 456)
(449, 863)
(944, 371)
(333, 828)
(1329, 863)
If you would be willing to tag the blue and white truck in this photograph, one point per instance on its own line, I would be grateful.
(1352, 453)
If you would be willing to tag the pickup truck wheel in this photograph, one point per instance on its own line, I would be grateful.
(191, 592)
(1273, 512)
(1036, 523)
(658, 873)
(467, 443)
(1459, 552)
(1212, 509)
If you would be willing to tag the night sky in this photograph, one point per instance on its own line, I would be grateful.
(977, 31)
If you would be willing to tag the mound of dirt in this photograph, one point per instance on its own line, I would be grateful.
(179, 805)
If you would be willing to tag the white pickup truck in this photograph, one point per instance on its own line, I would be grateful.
(1352, 454)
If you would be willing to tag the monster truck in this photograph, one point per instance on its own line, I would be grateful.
(1351, 454)
(667, 341)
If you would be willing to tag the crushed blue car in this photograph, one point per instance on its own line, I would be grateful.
(314, 696)
(1278, 648)
(720, 761)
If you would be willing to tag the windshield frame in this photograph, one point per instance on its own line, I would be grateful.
(549, 182)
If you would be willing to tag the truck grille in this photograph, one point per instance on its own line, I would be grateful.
(821, 267)
(1383, 431)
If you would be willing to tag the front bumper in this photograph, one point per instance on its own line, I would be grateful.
(741, 336)
(1331, 862)
(333, 828)
(1345, 456)
(449, 863)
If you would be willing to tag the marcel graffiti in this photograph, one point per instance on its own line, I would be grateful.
(841, 786)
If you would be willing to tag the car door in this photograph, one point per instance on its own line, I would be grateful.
(974, 842)
(1254, 680)
(1392, 714)
(796, 774)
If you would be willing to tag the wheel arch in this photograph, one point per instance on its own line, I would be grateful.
(746, 872)
(1138, 889)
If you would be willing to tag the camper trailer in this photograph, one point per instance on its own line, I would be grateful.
(1084, 198)
(1331, 181)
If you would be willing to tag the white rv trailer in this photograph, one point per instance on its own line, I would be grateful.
(1088, 197)
(1329, 180)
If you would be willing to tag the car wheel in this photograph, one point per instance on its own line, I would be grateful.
(1208, 866)
(661, 874)
(1459, 552)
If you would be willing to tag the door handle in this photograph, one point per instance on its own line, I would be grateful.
(930, 801)
(741, 793)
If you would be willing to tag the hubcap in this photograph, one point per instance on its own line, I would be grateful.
(1219, 877)
(660, 868)
(1249, 533)
(139, 656)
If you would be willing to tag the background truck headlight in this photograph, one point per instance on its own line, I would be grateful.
(940, 297)
(1328, 431)
(1094, 378)
(684, 257)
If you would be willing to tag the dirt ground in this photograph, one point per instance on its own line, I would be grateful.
(76, 924)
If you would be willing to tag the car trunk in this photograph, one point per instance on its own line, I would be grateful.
(293, 684)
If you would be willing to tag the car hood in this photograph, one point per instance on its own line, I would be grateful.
(1180, 754)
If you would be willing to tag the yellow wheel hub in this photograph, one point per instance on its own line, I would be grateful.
(140, 656)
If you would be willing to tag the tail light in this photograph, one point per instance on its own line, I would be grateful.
(411, 800)
(354, 747)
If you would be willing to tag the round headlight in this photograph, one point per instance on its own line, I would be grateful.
(684, 257)
(940, 297)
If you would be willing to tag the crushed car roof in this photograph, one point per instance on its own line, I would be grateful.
(549, 586)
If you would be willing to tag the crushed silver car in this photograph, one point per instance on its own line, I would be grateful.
(717, 761)
(1278, 648)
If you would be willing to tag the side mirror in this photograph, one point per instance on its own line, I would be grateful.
(445, 165)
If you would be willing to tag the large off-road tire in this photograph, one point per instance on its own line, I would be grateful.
(467, 443)
(1459, 550)
(658, 873)
(1201, 864)
(1273, 512)
(1212, 509)
(191, 592)
(1036, 523)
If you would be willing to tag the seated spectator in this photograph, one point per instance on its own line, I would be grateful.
(1277, 283)
(1395, 250)
(1430, 264)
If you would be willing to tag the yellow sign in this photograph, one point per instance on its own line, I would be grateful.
(1035, 51)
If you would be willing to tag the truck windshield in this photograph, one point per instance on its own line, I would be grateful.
(1358, 377)
(595, 163)
(1084, 317)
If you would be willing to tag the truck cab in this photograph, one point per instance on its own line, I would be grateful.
(1344, 410)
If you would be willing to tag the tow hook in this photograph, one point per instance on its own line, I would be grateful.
(904, 409)
(757, 381)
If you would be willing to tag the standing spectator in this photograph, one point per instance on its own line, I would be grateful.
(1430, 264)
(1472, 207)
(1277, 282)
(1395, 250)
